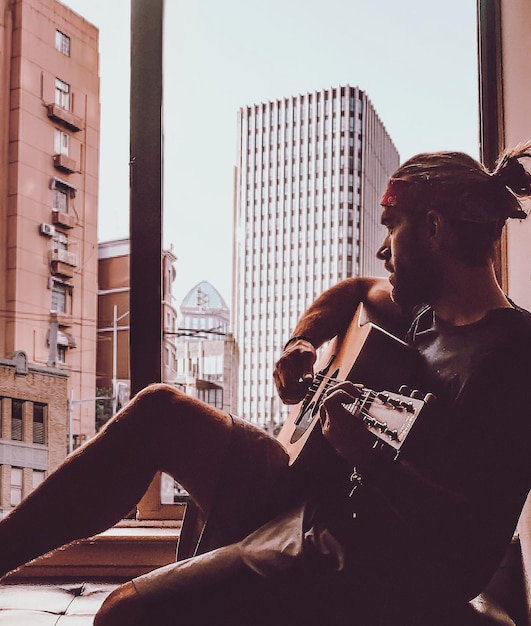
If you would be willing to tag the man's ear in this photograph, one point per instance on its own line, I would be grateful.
(436, 228)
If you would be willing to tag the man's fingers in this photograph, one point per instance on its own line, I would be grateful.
(298, 390)
(344, 392)
(307, 378)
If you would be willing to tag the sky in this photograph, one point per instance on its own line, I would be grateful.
(415, 59)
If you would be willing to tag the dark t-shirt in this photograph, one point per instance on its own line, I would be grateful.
(472, 447)
(478, 432)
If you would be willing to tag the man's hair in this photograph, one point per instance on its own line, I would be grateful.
(477, 202)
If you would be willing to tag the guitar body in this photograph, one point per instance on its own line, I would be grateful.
(365, 354)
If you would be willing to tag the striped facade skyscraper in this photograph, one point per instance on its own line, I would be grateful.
(310, 173)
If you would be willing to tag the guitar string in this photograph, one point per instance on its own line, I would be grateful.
(351, 407)
(330, 380)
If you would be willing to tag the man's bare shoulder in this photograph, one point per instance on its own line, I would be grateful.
(381, 308)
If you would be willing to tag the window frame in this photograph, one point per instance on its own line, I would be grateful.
(63, 94)
(62, 42)
(17, 421)
(64, 291)
(61, 142)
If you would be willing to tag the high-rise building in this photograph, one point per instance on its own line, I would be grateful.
(310, 173)
(49, 151)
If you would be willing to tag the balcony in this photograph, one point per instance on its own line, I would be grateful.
(67, 118)
(60, 218)
(63, 262)
(64, 320)
(64, 163)
(64, 256)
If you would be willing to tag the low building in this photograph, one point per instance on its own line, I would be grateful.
(33, 429)
(112, 360)
(207, 357)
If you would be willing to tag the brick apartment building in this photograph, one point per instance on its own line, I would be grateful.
(49, 138)
(32, 426)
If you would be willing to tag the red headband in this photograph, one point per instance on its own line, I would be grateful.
(399, 192)
(415, 196)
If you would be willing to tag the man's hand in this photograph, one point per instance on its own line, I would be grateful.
(344, 430)
(293, 373)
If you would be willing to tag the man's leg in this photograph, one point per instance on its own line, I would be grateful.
(160, 429)
(122, 607)
(222, 587)
(203, 590)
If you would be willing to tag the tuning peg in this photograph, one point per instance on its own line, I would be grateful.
(416, 394)
(383, 396)
(404, 390)
(429, 397)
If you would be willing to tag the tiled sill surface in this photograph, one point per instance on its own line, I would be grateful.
(67, 587)
(68, 604)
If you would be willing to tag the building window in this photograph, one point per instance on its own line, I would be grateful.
(39, 432)
(62, 94)
(61, 354)
(61, 142)
(60, 199)
(60, 242)
(16, 420)
(62, 43)
(212, 396)
(59, 296)
(16, 485)
(37, 478)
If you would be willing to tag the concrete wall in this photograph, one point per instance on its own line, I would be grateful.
(516, 63)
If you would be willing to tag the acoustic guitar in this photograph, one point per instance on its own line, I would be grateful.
(384, 365)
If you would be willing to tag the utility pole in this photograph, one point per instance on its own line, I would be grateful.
(115, 320)
(71, 403)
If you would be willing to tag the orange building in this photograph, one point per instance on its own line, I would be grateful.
(49, 142)
(113, 371)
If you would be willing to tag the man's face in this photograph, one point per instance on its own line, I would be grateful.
(414, 272)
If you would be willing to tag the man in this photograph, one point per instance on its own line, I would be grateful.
(432, 525)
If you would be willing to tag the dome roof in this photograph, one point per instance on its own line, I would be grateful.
(203, 297)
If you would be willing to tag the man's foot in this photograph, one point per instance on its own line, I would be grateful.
(122, 607)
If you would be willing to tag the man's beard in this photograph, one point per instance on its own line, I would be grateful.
(418, 282)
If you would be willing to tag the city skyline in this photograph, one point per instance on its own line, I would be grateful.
(220, 57)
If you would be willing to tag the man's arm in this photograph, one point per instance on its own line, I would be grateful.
(328, 316)
(333, 310)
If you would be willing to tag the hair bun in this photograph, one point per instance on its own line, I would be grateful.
(512, 173)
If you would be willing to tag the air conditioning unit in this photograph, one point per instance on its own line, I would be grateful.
(47, 229)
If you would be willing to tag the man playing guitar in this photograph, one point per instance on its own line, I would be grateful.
(367, 531)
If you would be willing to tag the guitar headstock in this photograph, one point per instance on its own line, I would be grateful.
(390, 416)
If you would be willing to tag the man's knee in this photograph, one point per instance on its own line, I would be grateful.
(155, 402)
(159, 393)
(122, 607)
(167, 404)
